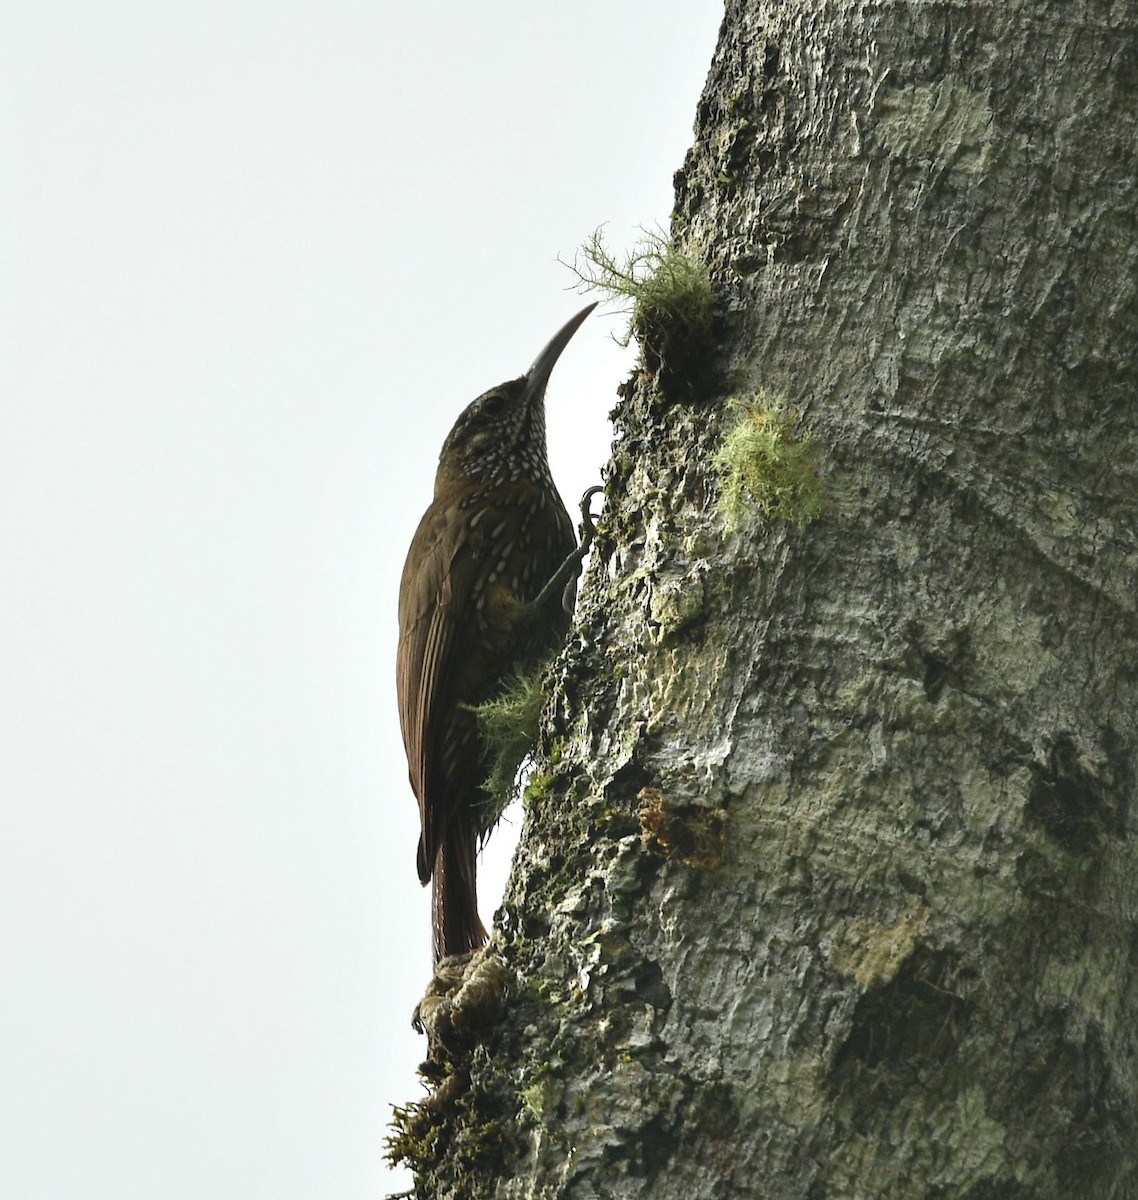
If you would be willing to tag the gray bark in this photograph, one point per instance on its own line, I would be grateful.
(830, 886)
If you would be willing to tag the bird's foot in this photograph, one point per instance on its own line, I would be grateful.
(563, 583)
(588, 527)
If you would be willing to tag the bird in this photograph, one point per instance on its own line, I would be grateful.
(486, 592)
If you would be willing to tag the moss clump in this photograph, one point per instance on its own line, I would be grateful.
(537, 1095)
(508, 724)
(413, 1139)
(537, 789)
(666, 291)
(764, 465)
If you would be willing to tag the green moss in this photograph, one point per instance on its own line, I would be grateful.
(536, 789)
(479, 1147)
(509, 724)
(536, 1097)
(666, 291)
(412, 1139)
(765, 466)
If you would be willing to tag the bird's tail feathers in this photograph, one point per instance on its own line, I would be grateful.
(455, 925)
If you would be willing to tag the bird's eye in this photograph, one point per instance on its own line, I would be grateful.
(492, 405)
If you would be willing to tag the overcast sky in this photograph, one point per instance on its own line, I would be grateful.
(254, 259)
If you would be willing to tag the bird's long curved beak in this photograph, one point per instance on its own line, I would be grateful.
(538, 375)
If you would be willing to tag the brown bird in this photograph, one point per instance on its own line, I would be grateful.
(480, 599)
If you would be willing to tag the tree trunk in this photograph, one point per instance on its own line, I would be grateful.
(829, 878)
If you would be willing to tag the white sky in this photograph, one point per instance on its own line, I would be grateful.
(254, 259)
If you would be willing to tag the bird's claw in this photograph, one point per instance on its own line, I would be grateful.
(589, 519)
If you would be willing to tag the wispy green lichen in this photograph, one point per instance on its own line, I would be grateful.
(666, 291)
(509, 724)
(766, 466)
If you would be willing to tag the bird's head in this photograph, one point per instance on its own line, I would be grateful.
(501, 435)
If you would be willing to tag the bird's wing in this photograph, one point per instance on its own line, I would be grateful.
(430, 605)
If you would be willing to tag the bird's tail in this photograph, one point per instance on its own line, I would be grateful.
(455, 926)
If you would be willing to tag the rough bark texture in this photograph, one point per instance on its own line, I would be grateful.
(830, 889)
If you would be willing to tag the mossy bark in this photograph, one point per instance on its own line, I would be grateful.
(831, 889)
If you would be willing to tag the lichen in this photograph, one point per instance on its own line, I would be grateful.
(949, 1146)
(676, 604)
(1010, 651)
(872, 954)
(766, 465)
(945, 122)
(508, 724)
(665, 290)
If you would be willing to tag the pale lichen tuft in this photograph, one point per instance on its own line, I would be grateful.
(765, 465)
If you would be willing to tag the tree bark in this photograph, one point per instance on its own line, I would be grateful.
(829, 880)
